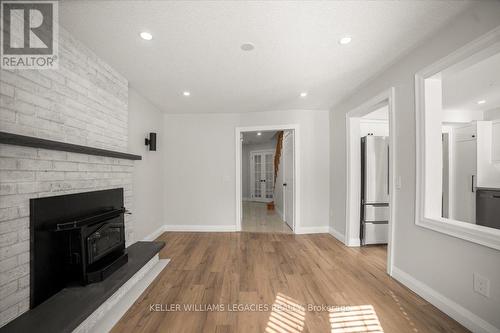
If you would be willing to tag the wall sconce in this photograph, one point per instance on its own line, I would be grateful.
(151, 142)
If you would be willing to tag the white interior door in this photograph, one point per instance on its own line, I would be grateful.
(262, 175)
(288, 179)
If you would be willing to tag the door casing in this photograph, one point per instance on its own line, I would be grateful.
(353, 176)
(238, 150)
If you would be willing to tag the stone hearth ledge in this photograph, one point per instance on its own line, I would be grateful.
(96, 307)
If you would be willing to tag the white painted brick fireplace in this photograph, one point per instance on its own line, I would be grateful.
(83, 102)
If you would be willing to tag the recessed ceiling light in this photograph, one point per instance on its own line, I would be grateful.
(345, 40)
(259, 133)
(186, 93)
(247, 46)
(481, 101)
(303, 94)
(146, 35)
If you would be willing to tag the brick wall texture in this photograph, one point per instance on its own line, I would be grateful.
(83, 102)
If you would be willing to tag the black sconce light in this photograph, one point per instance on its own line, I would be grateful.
(151, 142)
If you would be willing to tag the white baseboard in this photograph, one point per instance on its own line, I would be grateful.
(152, 236)
(353, 242)
(200, 228)
(246, 199)
(109, 313)
(452, 309)
(312, 230)
(337, 234)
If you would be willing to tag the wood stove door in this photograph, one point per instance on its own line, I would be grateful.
(108, 237)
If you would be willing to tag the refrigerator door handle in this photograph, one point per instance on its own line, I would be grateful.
(388, 159)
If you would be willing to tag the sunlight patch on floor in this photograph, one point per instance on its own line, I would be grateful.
(355, 319)
(287, 316)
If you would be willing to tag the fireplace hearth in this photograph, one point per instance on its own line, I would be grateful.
(75, 239)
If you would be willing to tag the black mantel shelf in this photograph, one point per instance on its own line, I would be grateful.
(29, 141)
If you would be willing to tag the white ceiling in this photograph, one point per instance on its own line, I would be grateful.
(196, 47)
(254, 139)
(464, 88)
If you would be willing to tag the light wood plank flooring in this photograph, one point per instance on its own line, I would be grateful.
(289, 271)
(257, 218)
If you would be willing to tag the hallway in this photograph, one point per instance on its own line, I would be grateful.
(256, 218)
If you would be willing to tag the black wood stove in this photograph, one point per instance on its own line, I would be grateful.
(75, 239)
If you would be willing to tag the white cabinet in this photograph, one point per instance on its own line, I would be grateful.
(495, 147)
(464, 174)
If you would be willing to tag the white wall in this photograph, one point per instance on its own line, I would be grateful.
(200, 172)
(245, 163)
(492, 114)
(375, 127)
(148, 172)
(462, 116)
(443, 263)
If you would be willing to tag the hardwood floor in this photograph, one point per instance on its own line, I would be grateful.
(293, 272)
(257, 218)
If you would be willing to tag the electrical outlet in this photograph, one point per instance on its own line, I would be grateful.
(481, 285)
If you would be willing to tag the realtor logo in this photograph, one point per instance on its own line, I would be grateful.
(29, 35)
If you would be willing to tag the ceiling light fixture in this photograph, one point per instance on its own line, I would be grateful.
(247, 46)
(146, 35)
(303, 94)
(259, 133)
(186, 93)
(345, 40)
(481, 102)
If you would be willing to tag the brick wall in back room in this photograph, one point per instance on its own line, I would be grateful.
(83, 102)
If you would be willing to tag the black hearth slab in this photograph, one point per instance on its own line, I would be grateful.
(34, 142)
(67, 309)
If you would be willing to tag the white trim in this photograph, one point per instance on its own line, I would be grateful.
(246, 199)
(353, 178)
(465, 317)
(354, 242)
(337, 234)
(297, 154)
(476, 49)
(313, 230)
(155, 234)
(200, 228)
(110, 312)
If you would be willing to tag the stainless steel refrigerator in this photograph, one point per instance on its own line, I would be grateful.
(374, 190)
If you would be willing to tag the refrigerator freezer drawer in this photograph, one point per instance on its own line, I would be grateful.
(376, 233)
(376, 213)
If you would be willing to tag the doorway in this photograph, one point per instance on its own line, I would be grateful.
(370, 177)
(267, 179)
